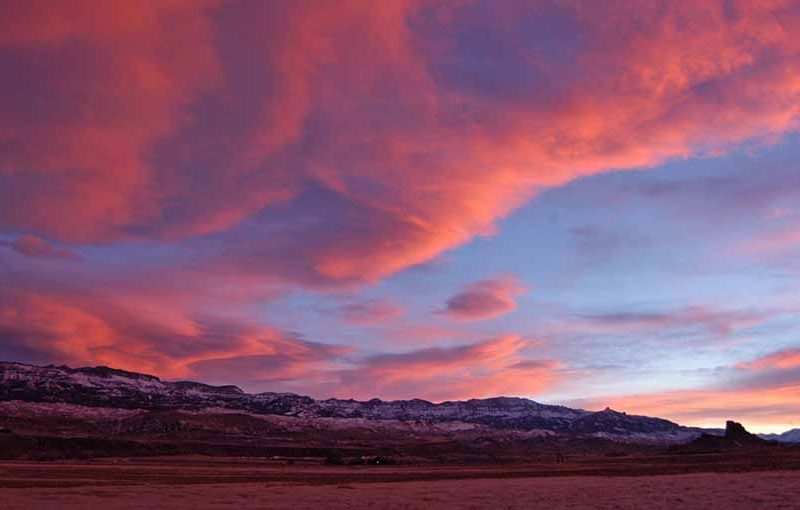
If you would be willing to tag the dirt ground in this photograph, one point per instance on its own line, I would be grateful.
(198, 483)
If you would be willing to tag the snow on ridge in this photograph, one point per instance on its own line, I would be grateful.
(103, 387)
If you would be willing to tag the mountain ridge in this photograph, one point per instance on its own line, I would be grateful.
(108, 387)
(789, 436)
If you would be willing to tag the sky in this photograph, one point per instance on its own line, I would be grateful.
(590, 203)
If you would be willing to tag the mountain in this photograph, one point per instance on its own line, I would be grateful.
(790, 436)
(108, 388)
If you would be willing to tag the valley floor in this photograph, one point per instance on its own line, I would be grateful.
(199, 484)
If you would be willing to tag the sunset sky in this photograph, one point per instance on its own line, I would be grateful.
(591, 203)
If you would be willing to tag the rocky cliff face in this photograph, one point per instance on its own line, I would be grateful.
(736, 437)
(110, 388)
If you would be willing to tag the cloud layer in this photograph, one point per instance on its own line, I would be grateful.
(33, 246)
(497, 366)
(128, 124)
(206, 158)
(762, 392)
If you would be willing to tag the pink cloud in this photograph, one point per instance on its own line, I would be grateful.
(294, 365)
(789, 358)
(175, 119)
(489, 368)
(270, 141)
(718, 322)
(418, 333)
(760, 392)
(371, 311)
(778, 240)
(83, 330)
(485, 299)
(123, 333)
(755, 407)
(93, 88)
(33, 246)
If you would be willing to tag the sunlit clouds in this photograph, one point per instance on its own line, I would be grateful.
(392, 198)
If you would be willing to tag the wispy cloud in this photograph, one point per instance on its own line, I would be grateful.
(371, 311)
(492, 367)
(32, 246)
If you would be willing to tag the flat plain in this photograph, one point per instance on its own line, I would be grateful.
(702, 482)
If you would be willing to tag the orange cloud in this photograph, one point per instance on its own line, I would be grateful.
(789, 358)
(82, 330)
(47, 327)
(762, 393)
(758, 408)
(485, 299)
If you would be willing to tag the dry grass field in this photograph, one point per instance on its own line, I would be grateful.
(215, 483)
